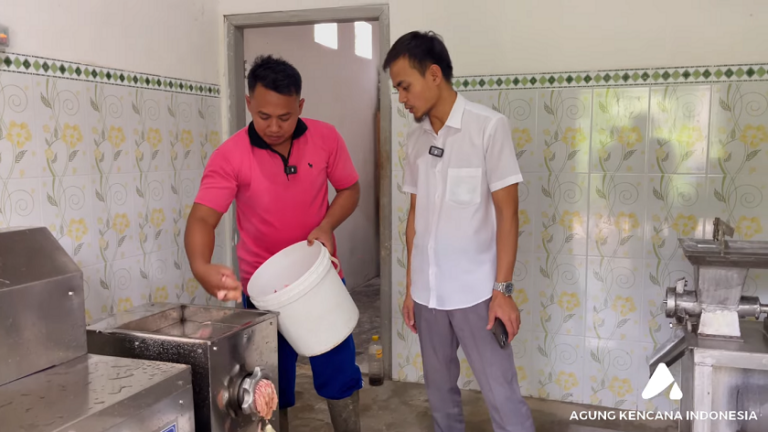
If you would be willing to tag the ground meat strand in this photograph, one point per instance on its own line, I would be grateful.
(265, 399)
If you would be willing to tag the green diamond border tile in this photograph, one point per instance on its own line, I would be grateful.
(21, 63)
(606, 78)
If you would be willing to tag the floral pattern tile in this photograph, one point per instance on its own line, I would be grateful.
(187, 184)
(525, 280)
(558, 308)
(619, 130)
(561, 222)
(559, 363)
(209, 113)
(563, 127)
(186, 133)
(21, 155)
(757, 284)
(527, 210)
(69, 216)
(156, 205)
(112, 172)
(117, 221)
(126, 284)
(62, 110)
(676, 208)
(522, 348)
(617, 215)
(97, 299)
(677, 142)
(154, 143)
(401, 203)
(20, 202)
(402, 122)
(164, 277)
(739, 129)
(740, 201)
(616, 372)
(115, 133)
(614, 297)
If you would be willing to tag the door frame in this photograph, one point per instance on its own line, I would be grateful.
(234, 26)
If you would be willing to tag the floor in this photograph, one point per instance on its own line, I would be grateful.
(403, 407)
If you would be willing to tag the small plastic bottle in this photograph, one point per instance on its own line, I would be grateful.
(375, 363)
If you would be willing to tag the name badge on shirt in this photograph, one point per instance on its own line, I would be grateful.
(291, 169)
(436, 151)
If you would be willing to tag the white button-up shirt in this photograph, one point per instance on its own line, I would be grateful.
(453, 262)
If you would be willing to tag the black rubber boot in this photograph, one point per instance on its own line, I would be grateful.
(283, 418)
(345, 414)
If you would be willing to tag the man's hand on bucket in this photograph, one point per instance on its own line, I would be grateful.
(324, 235)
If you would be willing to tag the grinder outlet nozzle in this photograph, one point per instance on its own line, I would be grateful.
(258, 396)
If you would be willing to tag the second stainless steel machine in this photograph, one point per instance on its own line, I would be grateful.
(47, 381)
(724, 355)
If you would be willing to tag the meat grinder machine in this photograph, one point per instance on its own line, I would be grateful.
(232, 352)
(718, 336)
(48, 381)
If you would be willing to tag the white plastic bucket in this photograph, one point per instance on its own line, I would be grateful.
(316, 312)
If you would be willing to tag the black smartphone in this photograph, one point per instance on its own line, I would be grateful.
(499, 330)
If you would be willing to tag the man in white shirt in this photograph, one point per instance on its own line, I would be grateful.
(461, 236)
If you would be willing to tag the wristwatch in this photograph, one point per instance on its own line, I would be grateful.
(506, 288)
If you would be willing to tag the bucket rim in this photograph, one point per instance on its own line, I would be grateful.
(287, 296)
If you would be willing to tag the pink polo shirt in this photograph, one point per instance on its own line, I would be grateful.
(275, 209)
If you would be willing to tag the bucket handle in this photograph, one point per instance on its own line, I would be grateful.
(336, 264)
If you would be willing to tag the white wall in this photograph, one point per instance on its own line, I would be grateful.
(327, 76)
(167, 38)
(171, 38)
(505, 37)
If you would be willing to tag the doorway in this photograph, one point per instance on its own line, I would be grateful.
(338, 53)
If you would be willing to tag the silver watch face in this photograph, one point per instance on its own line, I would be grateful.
(506, 288)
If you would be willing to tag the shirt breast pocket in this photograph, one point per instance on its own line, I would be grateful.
(465, 186)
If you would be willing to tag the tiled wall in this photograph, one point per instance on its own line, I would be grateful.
(617, 165)
(110, 161)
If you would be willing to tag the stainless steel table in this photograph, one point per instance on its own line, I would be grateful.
(94, 393)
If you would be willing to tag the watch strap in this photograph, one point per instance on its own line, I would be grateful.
(506, 288)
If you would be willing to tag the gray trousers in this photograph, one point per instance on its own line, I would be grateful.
(440, 334)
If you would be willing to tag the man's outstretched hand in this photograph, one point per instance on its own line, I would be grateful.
(220, 282)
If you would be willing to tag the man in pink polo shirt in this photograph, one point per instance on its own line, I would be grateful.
(278, 169)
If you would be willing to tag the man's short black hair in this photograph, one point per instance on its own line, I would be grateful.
(423, 49)
(274, 74)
